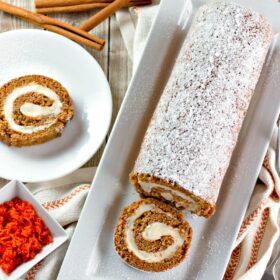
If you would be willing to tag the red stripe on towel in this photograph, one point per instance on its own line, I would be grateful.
(258, 239)
(233, 263)
(60, 202)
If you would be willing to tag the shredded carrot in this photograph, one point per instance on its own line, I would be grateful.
(22, 234)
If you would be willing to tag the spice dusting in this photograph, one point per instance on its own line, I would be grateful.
(23, 234)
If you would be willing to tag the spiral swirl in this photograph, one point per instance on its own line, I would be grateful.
(33, 110)
(152, 235)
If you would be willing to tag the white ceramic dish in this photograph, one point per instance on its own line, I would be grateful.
(41, 52)
(17, 189)
(213, 239)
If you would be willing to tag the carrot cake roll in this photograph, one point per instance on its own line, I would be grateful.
(152, 235)
(190, 139)
(33, 109)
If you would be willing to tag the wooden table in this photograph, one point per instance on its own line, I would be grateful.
(113, 59)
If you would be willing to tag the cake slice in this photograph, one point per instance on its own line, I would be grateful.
(152, 235)
(33, 109)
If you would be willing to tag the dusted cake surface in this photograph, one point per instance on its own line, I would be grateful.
(195, 127)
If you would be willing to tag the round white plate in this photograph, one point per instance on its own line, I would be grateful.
(31, 51)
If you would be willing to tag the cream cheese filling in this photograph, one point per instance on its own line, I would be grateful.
(168, 194)
(152, 232)
(31, 110)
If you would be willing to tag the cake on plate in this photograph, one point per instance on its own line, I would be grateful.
(33, 109)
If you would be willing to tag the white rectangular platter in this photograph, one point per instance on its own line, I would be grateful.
(91, 253)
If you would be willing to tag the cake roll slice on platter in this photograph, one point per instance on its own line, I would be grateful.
(33, 109)
(191, 137)
(152, 235)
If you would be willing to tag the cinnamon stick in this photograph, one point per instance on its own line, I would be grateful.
(62, 28)
(64, 3)
(72, 6)
(59, 6)
(102, 15)
(71, 9)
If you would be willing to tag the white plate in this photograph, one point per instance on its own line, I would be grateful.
(213, 239)
(41, 52)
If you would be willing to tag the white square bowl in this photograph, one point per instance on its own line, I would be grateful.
(17, 189)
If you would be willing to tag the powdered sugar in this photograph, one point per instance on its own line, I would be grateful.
(195, 127)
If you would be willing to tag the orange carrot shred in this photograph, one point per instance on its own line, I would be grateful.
(23, 234)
